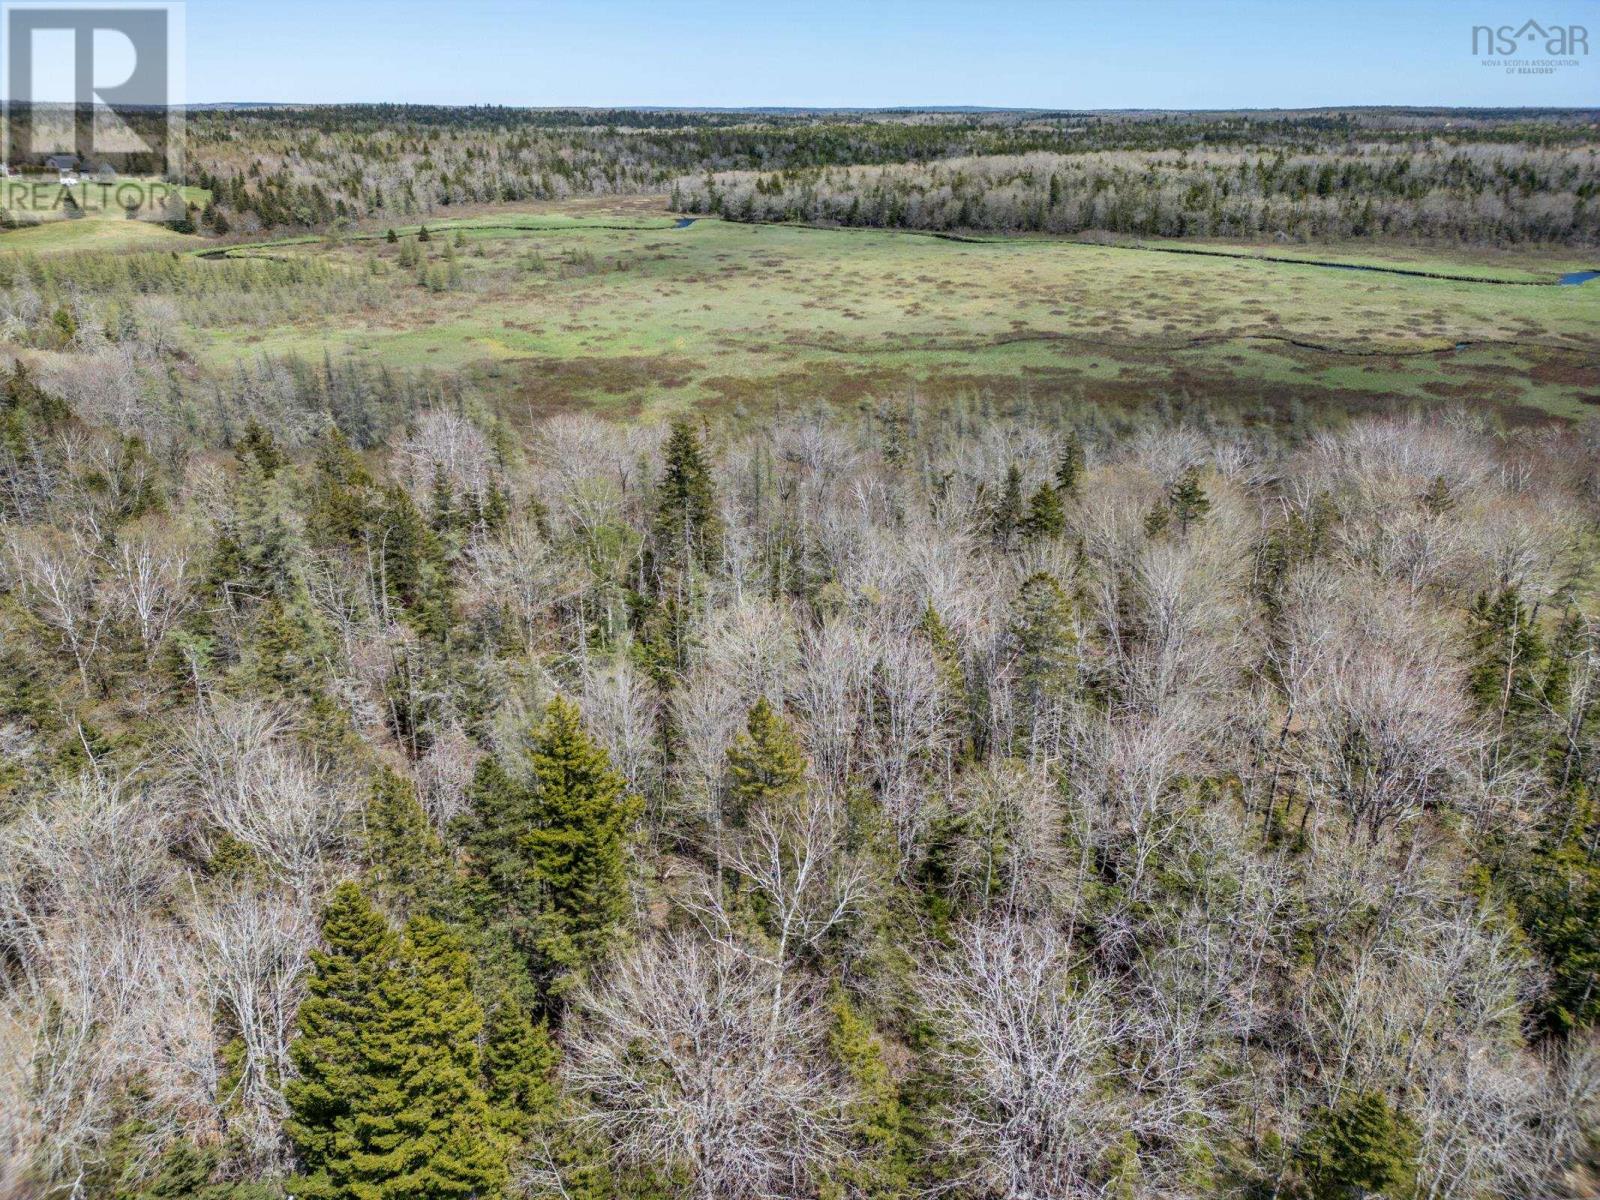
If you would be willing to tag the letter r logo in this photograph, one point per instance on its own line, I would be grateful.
(96, 83)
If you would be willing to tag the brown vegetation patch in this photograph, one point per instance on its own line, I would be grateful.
(562, 382)
(1568, 373)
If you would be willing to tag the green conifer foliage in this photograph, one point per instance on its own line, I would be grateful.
(519, 1062)
(340, 1003)
(343, 505)
(583, 818)
(1009, 512)
(409, 869)
(415, 571)
(1188, 500)
(1558, 901)
(258, 446)
(1359, 1147)
(423, 1127)
(389, 1103)
(1046, 517)
(1508, 651)
(547, 854)
(186, 1172)
(1069, 471)
(688, 527)
(952, 680)
(1046, 647)
(765, 763)
(882, 1169)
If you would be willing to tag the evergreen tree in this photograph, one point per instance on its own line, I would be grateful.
(1188, 500)
(548, 854)
(688, 527)
(415, 569)
(519, 1062)
(260, 447)
(340, 1004)
(1069, 470)
(285, 657)
(409, 869)
(519, 1065)
(503, 886)
(583, 818)
(388, 1103)
(342, 506)
(1506, 657)
(1046, 517)
(257, 550)
(1558, 903)
(1045, 644)
(1577, 709)
(952, 680)
(881, 1169)
(186, 1172)
(423, 1127)
(447, 515)
(766, 765)
(391, 237)
(1437, 500)
(1360, 1146)
(1006, 518)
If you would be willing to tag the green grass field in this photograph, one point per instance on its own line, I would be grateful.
(620, 309)
(44, 222)
(93, 233)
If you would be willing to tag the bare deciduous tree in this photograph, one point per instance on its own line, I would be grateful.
(672, 1065)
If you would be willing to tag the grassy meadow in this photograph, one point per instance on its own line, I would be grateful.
(617, 306)
(621, 309)
(94, 233)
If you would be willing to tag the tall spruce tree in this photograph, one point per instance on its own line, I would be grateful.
(1046, 517)
(1045, 643)
(1188, 500)
(423, 1128)
(340, 1003)
(501, 884)
(1507, 654)
(687, 528)
(880, 1168)
(1008, 513)
(582, 821)
(409, 867)
(1069, 470)
(1557, 892)
(1360, 1147)
(952, 679)
(547, 853)
(389, 1103)
(519, 1062)
(765, 763)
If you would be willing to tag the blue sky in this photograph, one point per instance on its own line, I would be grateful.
(1026, 53)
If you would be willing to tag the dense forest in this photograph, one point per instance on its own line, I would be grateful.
(1465, 192)
(1031, 786)
(1515, 176)
(927, 802)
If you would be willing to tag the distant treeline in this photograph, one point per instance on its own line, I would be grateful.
(1470, 192)
(313, 167)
